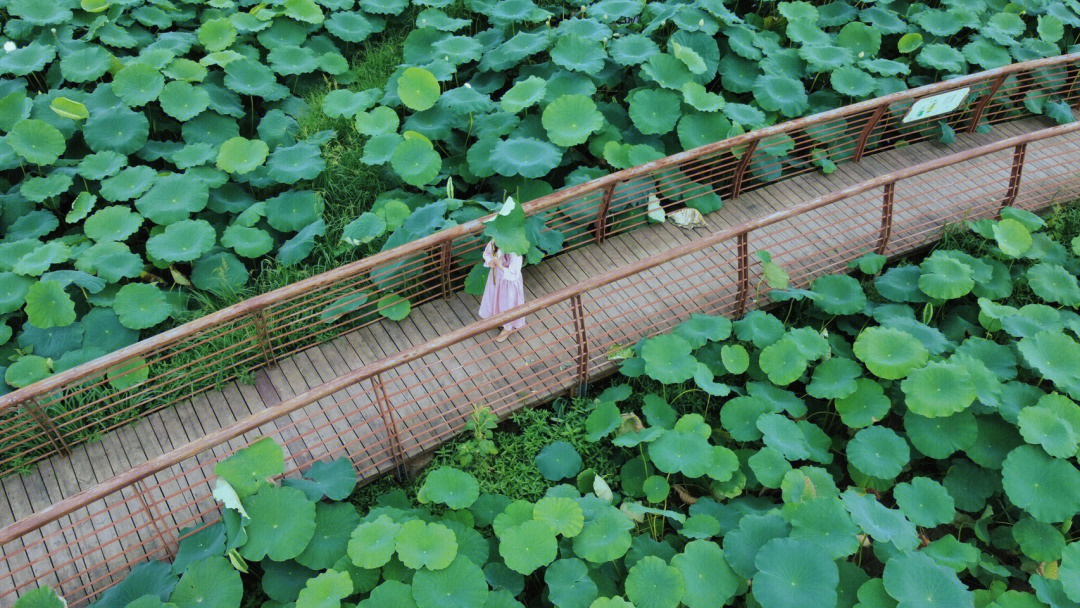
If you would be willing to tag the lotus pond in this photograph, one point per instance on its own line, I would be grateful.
(905, 438)
(161, 158)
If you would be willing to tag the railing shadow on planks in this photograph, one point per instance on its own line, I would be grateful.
(48, 417)
(385, 413)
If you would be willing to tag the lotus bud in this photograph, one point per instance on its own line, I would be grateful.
(9, 46)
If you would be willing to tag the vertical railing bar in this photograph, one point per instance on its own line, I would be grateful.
(152, 513)
(980, 106)
(577, 309)
(742, 241)
(444, 267)
(1015, 173)
(264, 337)
(397, 452)
(600, 227)
(42, 419)
(888, 196)
(740, 169)
(868, 129)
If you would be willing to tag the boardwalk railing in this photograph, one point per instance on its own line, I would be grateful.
(385, 413)
(50, 416)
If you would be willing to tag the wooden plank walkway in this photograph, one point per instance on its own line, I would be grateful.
(439, 389)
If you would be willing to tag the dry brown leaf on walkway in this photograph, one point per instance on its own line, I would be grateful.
(687, 218)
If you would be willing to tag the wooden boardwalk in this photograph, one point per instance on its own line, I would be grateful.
(345, 420)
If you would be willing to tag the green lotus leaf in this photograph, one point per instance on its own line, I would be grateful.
(245, 241)
(183, 101)
(220, 272)
(249, 468)
(42, 258)
(605, 536)
(350, 26)
(114, 223)
(835, 378)
(776, 93)
(48, 305)
(42, 597)
(282, 523)
(1053, 423)
(940, 437)
(668, 359)
(1054, 356)
(570, 119)
(141, 305)
(118, 129)
(13, 290)
(394, 307)
(563, 515)
(27, 59)
(654, 111)
(578, 54)
(111, 261)
(890, 353)
(794, 573)
(700, 328)
(525, 156)
(1044, 486)
(909, 43)
(390, 594)
(850, 80)
(216, 34)
(825, 58)
(1053, 283)
(416, 161)
(379, 121)
(1040, 541)
(36, 141)
(85, 64)
(782, 361)
(289, 60)
(652, 583)
(689, 57)
(40, 189)
(681, 452)
(942, 57)
(418, 89)
(173, 198)
(426, 545)
(129, 183)
(343, 103)
(708, 580)
(209, 583)
(632, 49)
(558, 460)
(183, 241)
(69, 108)
(525, 93)
(449, 486)
(569, 584)
(100, 165)
(910, 578)
(373, 543)
(925, 502)
(528, 547)
(27, 370)
(293, 210)
(138, 83)
(602, 421)
(938, 389)
(879, 452)
(238, 155)
(1012, 237)
(459, 585)
(882, 524)
(249, 77)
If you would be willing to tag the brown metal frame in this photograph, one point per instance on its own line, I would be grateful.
(38, 537)
(288, 320)
(1015, 173)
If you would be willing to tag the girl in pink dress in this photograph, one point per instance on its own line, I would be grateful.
(504, 289)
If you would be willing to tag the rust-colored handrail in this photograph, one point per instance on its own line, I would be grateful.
(272, 342)
(570, 293)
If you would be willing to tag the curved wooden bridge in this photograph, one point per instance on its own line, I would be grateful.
(387, 391)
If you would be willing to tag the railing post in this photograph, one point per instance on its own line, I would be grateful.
(867, 130)
(887, 197)
(397, 453)
(152, 514)
(445, 257)
(264, 338)
(600, 227)
(740, 169)
(744, 273)
(578, 312)
(1015, 173)
(984, 101)
(42, 419)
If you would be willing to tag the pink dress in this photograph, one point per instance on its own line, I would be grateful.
(504, 289)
